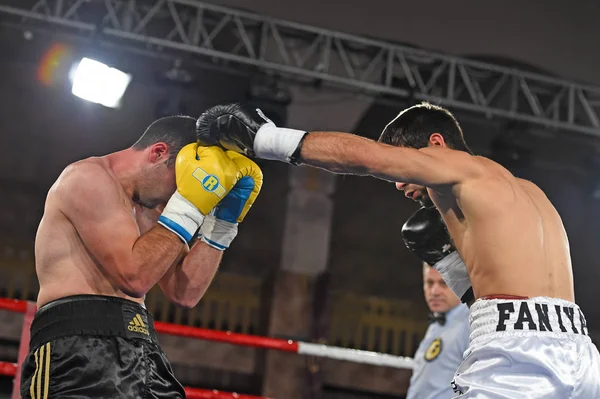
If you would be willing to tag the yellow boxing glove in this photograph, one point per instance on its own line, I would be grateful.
(204, 176)
(220, 226)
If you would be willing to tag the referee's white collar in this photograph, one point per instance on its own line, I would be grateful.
(458, 309)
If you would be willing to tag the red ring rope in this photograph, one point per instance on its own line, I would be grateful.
(225, 336)
(20, 306)
(298, 347)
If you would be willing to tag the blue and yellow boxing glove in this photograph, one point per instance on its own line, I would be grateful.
(221, 226)
(204, 176)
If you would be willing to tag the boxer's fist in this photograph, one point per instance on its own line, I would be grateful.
(248, 132)
(220, 226)
(425, 234)
(204, 176)
(230, 126)
(238, 202)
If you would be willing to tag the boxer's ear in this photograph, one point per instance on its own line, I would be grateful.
(436, 140)
(159, 152)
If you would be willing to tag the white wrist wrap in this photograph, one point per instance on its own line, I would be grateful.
(181, 217)
(454, 272)
(218, 233)
(277, 143)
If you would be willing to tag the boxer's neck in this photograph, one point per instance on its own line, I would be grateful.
(128, 167)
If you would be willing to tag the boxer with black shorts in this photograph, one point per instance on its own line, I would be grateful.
(488, 230)
(161, 211)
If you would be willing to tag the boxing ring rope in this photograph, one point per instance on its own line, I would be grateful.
(298, 347)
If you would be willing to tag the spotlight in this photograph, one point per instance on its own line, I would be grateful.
(98, 83)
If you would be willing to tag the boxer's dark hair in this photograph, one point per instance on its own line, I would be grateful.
(176, 131)
(413, 127)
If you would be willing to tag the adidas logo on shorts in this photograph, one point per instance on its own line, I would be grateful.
(137, 325)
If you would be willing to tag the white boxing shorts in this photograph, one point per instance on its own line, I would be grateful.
(528, 348)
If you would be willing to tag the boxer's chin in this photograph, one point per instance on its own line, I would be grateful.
(148, 202)
(154, 203)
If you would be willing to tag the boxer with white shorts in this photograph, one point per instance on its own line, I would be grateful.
(528, 348)
(506, 242)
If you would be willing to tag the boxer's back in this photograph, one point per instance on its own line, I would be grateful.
(511, 237)
(63, 265)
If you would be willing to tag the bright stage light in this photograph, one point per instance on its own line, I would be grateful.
(98, 83)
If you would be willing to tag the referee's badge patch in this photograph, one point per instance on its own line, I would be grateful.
(434, 350)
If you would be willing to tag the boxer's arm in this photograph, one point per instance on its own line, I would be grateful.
(147, 218)
(186, 282)
(93, 203)
(348, 153)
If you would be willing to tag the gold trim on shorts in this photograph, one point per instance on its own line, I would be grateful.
(41, 376)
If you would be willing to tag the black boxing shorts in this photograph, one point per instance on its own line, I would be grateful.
(93, 346)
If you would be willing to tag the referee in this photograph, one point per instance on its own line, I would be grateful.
(447, 338)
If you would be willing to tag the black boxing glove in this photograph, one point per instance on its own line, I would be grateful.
(425, 234)
(248, 132)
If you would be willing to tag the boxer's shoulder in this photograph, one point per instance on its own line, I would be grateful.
(454, 157)
(89, 167)
(85, 179)
(492, 169)
(465, 167)
(492, 178)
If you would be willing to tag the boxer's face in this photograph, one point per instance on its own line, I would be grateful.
(438, 295)
(158, 182)
(414, 191)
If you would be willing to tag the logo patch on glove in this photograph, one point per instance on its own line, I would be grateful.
(209, 182)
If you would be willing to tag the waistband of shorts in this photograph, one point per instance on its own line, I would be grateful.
(537, 316)
(91, 315)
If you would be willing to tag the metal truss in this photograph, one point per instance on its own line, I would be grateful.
(372, 66)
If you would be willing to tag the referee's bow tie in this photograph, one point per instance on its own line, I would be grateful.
(437, 318)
